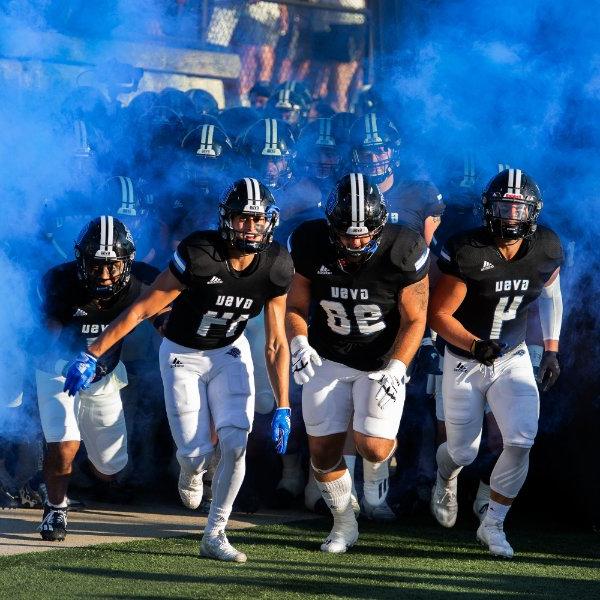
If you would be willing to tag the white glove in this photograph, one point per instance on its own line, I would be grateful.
(391, 382)
(303, 354)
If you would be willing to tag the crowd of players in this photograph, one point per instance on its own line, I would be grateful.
(156, 170)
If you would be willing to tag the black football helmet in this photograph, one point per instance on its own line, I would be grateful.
(104, 241)
(248, 196)
(288, 105)
(355, 208)
(375, 143)
(204, 101)
(511, 202)
(269, 148)
(318, 154)
(207, 154)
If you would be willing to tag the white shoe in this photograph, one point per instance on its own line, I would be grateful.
(491, 534)
(444, 506)
(341, 537)
(219, 548)
(482, 501)
(190, 488)
(378, 512)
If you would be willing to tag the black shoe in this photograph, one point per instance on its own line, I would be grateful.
(54, 524)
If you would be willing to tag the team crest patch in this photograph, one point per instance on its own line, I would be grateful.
(235, 352)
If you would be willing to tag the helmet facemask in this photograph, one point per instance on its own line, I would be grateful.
(374, 161)
(274, 171)
(265, 222)
(512, 216)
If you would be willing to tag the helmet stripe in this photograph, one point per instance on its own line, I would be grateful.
(353, 198)
(102, 233)
(361, 200)
(249, 191)
(518, 181)
(110, 232)
(274, 137)
(256, 189)
(511, 180)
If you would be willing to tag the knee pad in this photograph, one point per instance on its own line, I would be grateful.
(233, 442)
(194, 464)
(510, 472)
(463, 456)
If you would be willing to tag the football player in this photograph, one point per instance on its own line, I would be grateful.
(79, 299)
(362, 284)
(216, 281)
(490, 276)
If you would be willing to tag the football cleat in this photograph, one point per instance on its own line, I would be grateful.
(30, 498)
(491, 534)
(380, 512)
(54, 524)
(219, 548)
(341, 537)
(190, 489)
(482, 501)
(444, 506)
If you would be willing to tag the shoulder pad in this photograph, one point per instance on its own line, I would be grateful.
(550, 243)
(282, 267)
(409, 251)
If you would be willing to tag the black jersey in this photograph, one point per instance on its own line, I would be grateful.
(499, 291)
(354, 317)
(213, 309)
(412, 202)
(66, 300)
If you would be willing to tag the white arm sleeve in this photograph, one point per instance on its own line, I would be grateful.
(551, 310)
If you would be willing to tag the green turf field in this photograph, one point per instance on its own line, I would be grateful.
(397, 561)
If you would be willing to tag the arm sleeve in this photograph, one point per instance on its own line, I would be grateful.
(551, 309)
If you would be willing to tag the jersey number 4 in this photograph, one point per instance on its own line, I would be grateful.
(368, 317)
(504, 312)
(212, 317)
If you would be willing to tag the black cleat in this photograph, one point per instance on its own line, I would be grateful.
(54, 524)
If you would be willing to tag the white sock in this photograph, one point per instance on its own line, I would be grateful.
(337, 497)
(228, 477)
(447, 468)
(62, 504)
(496, 512)
(483, 491)
(376, 481)
(350, 460)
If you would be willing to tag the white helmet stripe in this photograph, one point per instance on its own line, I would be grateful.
(256, 189)
(274, 126)
(249, 190)
(511, 180)
(361, 200)
(353, 198)
(518, 181)
(124, 191)
(203, 135)
(110, 233)
(102, 233)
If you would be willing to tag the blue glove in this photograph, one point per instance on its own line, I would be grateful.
(281, 426)
(80, 373)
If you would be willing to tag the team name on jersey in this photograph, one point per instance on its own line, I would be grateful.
(237, 301)
(89, 328)
(353, 293)
(508, 285)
